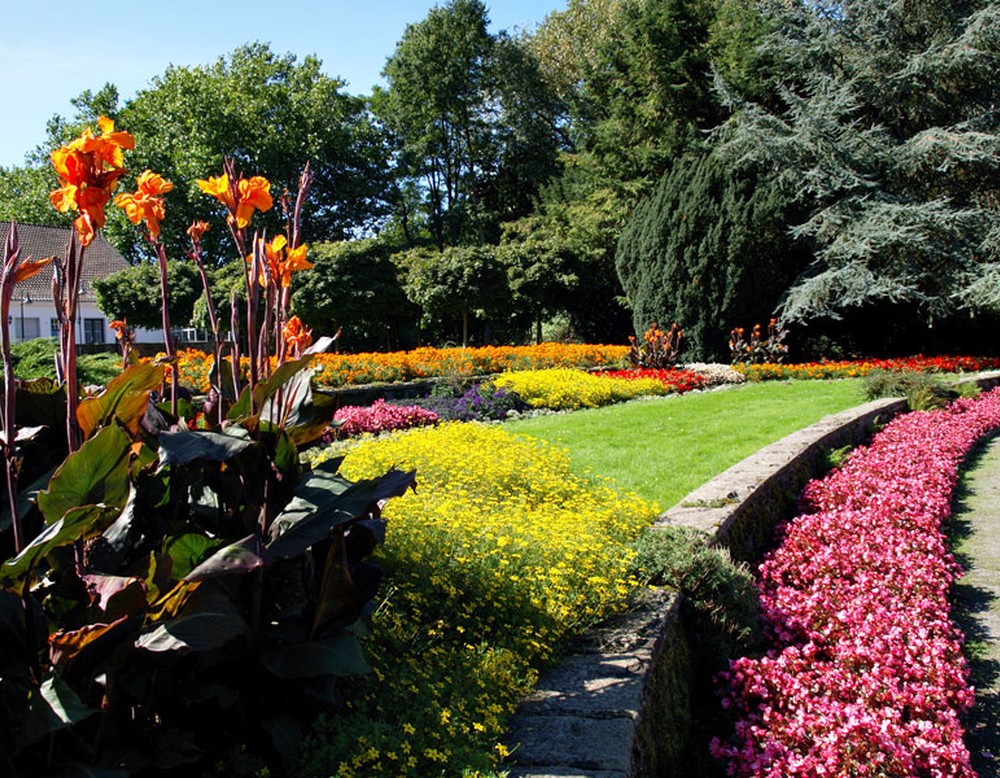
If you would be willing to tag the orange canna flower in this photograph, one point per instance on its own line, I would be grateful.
(197, 230)
(218, 187)
(88, 169)
(146, 204)
(281, 263)
(255, 195)
(297, 336)
(252, 194)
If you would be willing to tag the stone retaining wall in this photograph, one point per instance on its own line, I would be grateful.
(619, 705)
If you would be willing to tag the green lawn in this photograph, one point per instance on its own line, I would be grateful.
(663, 448)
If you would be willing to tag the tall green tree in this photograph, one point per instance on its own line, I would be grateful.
(709, 250)
(885, 119)
(270, 113)
(354, 286)
(461, 283)
(134, 294)
(471, 120)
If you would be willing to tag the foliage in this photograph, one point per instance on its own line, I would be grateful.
(658, 349)
(922, 391)
(501, 555)
(36, 359)
(133, 294)
(189, 118)
(709, 248)
(24, 195)
(561, 258)
(883, 123)
(380, 416)
(719, 595)
(757, 348)
(471, 124)
(356, 287)
(170, 595)
(460, 283)
(567, 389)
(864, 661)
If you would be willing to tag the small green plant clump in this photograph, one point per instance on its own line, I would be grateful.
(923, 391)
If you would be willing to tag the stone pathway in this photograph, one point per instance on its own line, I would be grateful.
(976, 543)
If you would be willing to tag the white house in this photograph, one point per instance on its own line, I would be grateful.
(32, 311)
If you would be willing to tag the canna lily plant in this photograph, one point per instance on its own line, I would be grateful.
(171, 595)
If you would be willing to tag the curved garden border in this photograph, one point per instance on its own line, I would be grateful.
(619, 706)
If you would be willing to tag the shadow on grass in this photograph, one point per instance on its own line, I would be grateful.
(971, 613)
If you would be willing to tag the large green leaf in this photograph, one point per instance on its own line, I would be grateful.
(177, 448)
(188, 551)
(341, 655)
(126, 394)
(324, 500)
(95, 474)
(293, 404)
(53, 707)
(76, 524)
(239, 557)
(205, 623)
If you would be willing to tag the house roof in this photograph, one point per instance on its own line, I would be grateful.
(100, 260)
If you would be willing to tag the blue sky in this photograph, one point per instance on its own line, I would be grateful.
(51, 51)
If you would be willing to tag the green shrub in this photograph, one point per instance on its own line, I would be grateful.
(36, 359)
(923, 391)
(720, 597)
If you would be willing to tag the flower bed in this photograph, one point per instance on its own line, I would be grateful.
(381, 417)
(861, 368)
(673, 380)
(866, 674)
(500, 554)
(367, 368)
(567, 389)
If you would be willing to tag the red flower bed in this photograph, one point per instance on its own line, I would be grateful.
(674, 380)
(856, 368)
(866, 675)
(381, 417)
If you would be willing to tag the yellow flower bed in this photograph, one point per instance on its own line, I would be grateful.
(499, 556)
(566, 389)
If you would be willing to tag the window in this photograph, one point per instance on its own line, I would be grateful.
(53, 328)
(93, 330)
(26, 328)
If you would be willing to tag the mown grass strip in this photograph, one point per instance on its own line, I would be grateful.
(662, 448)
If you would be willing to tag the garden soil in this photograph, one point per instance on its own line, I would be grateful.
(976, 542)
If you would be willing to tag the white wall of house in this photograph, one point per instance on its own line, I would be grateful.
(37, 319)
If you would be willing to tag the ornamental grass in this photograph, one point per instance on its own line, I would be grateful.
(567, 389)
(866, 676)
(498, 557)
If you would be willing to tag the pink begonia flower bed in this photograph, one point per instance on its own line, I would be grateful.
(866, 676)
(381, 417)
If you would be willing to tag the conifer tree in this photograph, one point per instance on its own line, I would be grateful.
(884, 115)
(708, 250)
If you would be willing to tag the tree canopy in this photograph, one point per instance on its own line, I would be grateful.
(471, 122)
(887, 124)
